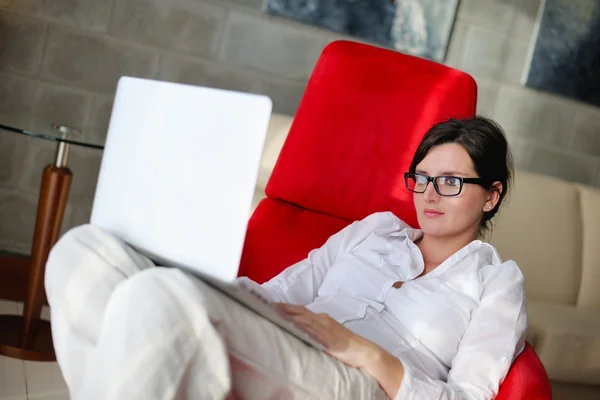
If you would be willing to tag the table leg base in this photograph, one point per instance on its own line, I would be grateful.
(14, 271)
(39, 347)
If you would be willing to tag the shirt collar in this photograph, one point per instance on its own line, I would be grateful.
(413, 234)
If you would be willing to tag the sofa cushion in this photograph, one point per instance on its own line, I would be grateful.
(567, 340)
(589, 293)
(540, 228)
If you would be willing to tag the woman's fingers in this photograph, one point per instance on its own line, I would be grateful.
(317, 325)
(307, 320)
(310, 320)
(292, 309)
(312, 326)
(315, 334)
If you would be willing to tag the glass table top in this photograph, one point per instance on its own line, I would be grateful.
(51, 131)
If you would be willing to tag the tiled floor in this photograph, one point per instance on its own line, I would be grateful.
(27, 380)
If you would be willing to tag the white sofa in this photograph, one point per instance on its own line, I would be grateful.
(551, 228)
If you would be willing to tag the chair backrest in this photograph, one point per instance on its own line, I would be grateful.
(361, 118)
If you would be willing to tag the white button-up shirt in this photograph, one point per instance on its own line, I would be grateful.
(456, 329)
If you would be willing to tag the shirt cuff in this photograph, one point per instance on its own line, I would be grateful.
(258, 289)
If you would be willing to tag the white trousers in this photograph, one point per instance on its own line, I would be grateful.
(125, 329)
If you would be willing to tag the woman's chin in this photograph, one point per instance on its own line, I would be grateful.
(432, 228)
(439, 229)
(439, 233)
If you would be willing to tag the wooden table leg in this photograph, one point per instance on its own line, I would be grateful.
(28, 337)
(14, 272)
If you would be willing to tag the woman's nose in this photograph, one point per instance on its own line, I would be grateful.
(430, 194)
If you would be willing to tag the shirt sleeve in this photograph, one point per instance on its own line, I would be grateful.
(300, 283)
(493, 339)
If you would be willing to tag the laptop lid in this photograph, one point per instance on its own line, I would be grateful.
(179, 170)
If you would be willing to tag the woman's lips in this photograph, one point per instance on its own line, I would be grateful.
(429, 213)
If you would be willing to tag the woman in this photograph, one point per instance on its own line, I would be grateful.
(404, 313)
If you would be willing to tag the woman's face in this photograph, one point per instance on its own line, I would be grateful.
(460, 215)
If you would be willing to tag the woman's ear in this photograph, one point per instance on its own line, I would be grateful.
(493, 196)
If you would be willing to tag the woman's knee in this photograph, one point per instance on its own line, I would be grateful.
(65, 256)
(77, 244)
(71, 240)
(90, 255)
(160, 296)
(91, 239)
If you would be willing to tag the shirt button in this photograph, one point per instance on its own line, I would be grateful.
(504, 360)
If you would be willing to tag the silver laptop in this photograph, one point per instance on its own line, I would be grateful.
(178, 176)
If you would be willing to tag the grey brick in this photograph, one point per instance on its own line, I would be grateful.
(97, 125)
(17, 220)
(498, 15)
(63, 106)
(17, 98)
(286, 95)
(94, 63)
(269, 45)
(520, 152)
(86, 14)
(84, 164)
(489, 55)
(487, 94)
(331, 36)
(586, 136)
(516, 61)
(78, 214)
(38, 155)
(204, 73)
(456, 45)
(535, 115)
(187, 25)
(525, 18)
(12, 149)
(553, 161)
(21, 43)
(252, 4)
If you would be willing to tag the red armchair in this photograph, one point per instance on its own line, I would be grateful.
(362, 116)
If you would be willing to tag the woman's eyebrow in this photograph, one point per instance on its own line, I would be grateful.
(455, 173)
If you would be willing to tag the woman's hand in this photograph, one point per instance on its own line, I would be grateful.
(339, 342)
(348, 347)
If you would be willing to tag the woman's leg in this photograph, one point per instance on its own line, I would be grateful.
(116, 335)
(82, 272)
(161, 334)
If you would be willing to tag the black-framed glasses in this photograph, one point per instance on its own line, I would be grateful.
(446, 185)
